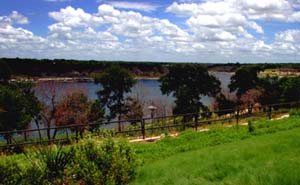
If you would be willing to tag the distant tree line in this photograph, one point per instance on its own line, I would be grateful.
(62, 67)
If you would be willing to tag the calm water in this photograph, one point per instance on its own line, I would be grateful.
(147, 90)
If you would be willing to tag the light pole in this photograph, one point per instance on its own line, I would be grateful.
(152, 109)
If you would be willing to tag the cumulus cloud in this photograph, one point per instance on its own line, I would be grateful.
(75, 17)
(223, 30)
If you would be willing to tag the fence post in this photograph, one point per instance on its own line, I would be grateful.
(270, 112)
(196, 121)
(25, 136)
(143, 128)
(184, 120)
(237, 116)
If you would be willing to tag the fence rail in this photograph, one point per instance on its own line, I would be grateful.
(142, 127)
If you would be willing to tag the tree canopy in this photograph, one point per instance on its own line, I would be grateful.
(19, 106)
(5, 72)
(187, 83)
(245, 78)
(116, 82)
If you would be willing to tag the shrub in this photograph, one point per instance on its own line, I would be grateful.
(251, 128)
(295, 112)
(10, 172)
(110, 162)
(49, 164)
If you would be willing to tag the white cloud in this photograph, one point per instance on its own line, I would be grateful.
(13, 18)
(211, 34)
(280, 10)
(147, 7)
(75, 17)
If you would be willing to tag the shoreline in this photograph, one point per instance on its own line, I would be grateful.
(68, 79)
(85, 79)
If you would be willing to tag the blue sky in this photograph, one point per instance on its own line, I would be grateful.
(180, 31)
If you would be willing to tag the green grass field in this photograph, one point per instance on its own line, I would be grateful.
(270, 155)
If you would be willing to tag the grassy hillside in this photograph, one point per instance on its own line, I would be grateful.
(226, 156)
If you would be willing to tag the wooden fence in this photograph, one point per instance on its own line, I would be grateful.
(143, 127)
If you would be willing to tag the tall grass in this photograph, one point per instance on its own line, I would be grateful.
(190, 140)
(266, 159)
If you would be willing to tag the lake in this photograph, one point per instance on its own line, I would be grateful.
(148, 90)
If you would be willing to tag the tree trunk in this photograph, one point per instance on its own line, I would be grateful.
(54, 134)
(38, 127)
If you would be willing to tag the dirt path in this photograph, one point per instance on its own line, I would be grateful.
(156, 138)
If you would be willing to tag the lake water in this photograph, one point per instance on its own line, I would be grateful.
(148, 90)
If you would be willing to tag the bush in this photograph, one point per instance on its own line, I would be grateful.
(295, 112)
(10, 172)
(110, 162)
(89, 162)
(251, 128)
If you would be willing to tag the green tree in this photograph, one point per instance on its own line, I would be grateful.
(5, 72)
(224, 103)
(116, 83)
(290, 88)
(188, 83)
(17, 109)
(96, 114)
(135, 110)
(271, 90)
(31, 103)
(245, 78)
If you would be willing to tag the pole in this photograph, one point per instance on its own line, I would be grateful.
(143, 128)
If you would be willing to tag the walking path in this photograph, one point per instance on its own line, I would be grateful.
(156, 138)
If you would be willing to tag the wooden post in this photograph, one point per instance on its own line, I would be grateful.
(196, 121)
(143, 128)
(25, 136)
(184, 120)
(270, 112)
(237, 117)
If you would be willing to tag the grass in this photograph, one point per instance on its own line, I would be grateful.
(222, 155)
(270, 155)
(190, 140)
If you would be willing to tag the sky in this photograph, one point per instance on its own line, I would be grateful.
(203, 31)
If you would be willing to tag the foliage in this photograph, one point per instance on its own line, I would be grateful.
(10, 172)
(95, 114)
(245, 78)
(5, 72)
(19, 107)
(250, 98)
(295, 112)
(135, 110)
(290, 88)
(188, 83)
(53, 160)
(108, 163)
(73, 110)
(89, 162)
(116, 82)
(226, 103)
(251, 128)
(271, 90)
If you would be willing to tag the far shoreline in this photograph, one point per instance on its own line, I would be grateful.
(67, 79)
